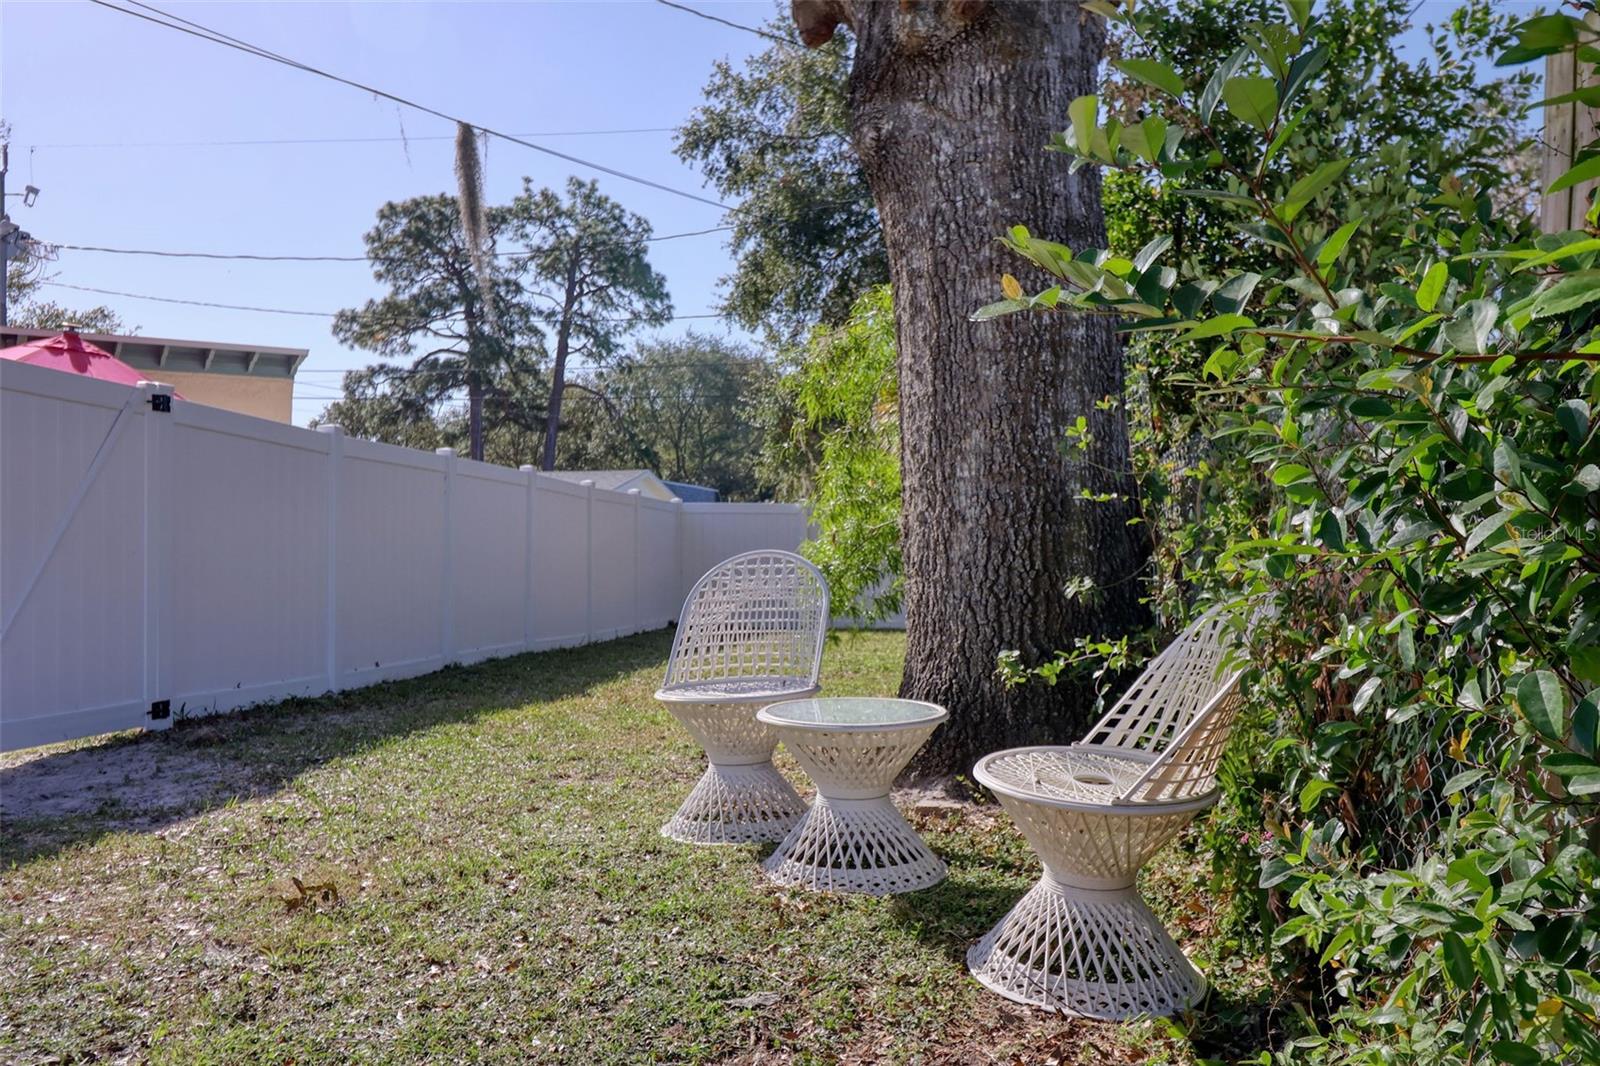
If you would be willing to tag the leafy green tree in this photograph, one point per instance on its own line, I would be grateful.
(1412, 383)
(584, 272)
(25, 275)
(407, 409)
(834, 432)
(47, 314)
(436, 315)
(775, 136)
(1365, 101)
(683, 408)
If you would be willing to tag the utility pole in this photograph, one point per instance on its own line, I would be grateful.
(11, 236)
(6, 228)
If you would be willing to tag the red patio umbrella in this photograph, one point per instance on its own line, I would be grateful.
(74, 355)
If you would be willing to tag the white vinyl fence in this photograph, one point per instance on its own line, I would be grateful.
(195, 560)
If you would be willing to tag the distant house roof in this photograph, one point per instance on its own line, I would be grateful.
(190, 356)
(643, 480)
(694, 493)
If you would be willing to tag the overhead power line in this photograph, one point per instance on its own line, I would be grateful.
(205, 33)
(316, 314)
(192, 303)
(424, 372)
(343, 258)
(726, 22)
(265, 142)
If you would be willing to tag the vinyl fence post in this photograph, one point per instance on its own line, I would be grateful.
(447, 600)
(636, 621)
(677, 559)
(588, 548)
(529, 472)
(330, 623)
(156, 407)
(683, 552)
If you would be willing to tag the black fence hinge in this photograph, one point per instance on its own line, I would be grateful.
(161, 404)
(160, 709)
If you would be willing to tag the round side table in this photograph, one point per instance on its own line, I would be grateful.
(853, 839)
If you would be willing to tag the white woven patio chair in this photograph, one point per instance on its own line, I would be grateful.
(1082, 941)
(751, 634)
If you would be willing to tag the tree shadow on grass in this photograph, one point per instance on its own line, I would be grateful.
(954, 914)
(63, 796)
(980, 889)
(1229, 1027)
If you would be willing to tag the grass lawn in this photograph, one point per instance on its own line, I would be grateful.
(481, 878)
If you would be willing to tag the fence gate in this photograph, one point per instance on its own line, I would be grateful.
(81, 611)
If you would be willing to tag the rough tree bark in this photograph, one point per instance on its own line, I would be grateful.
(952, 102)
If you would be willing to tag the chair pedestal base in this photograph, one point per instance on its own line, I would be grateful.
(858, 845)
(1092, 953)
(750, 803)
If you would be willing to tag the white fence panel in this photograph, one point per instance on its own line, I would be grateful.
(612, 568)
(72, 579)
(245, 501)
(389, 573)
(159, 559)
(660, 585)
(711, 532)
(560, 563)
(489, 543)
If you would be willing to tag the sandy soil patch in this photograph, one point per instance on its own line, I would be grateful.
(137, 782)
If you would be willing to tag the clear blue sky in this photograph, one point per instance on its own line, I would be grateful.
(75, 74)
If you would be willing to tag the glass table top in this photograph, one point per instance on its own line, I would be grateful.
(854, 712)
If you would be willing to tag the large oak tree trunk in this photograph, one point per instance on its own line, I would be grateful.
(952, 102)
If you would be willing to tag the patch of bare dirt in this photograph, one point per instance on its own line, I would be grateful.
(133, 783)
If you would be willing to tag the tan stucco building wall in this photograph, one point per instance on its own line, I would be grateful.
(262, 397)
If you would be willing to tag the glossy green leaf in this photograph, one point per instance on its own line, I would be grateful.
(1516, 1053)
(1487, 528)
(1586, 724)
(1302, 192)
(1212, 93)
(1588, 95)
(1566, 251)
(1218, 326)
(1155, 74)
(998, 309)
(1233, 295)
(1543, 702)
(1585, 481)
(1302, 70)
(1252, 99)
(1581, 172)
(1469, 329)
(1084, 112)
(1334, 246)
(1573, 418)
(1313, 791)
(1458, 961)
(1432, 286)
(1151, 252)
(1568, 294)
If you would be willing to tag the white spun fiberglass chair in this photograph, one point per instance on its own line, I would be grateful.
(1082, 941)
(751, 633)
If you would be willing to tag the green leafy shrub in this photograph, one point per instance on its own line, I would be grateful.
(840, 423)
(1407, 387)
